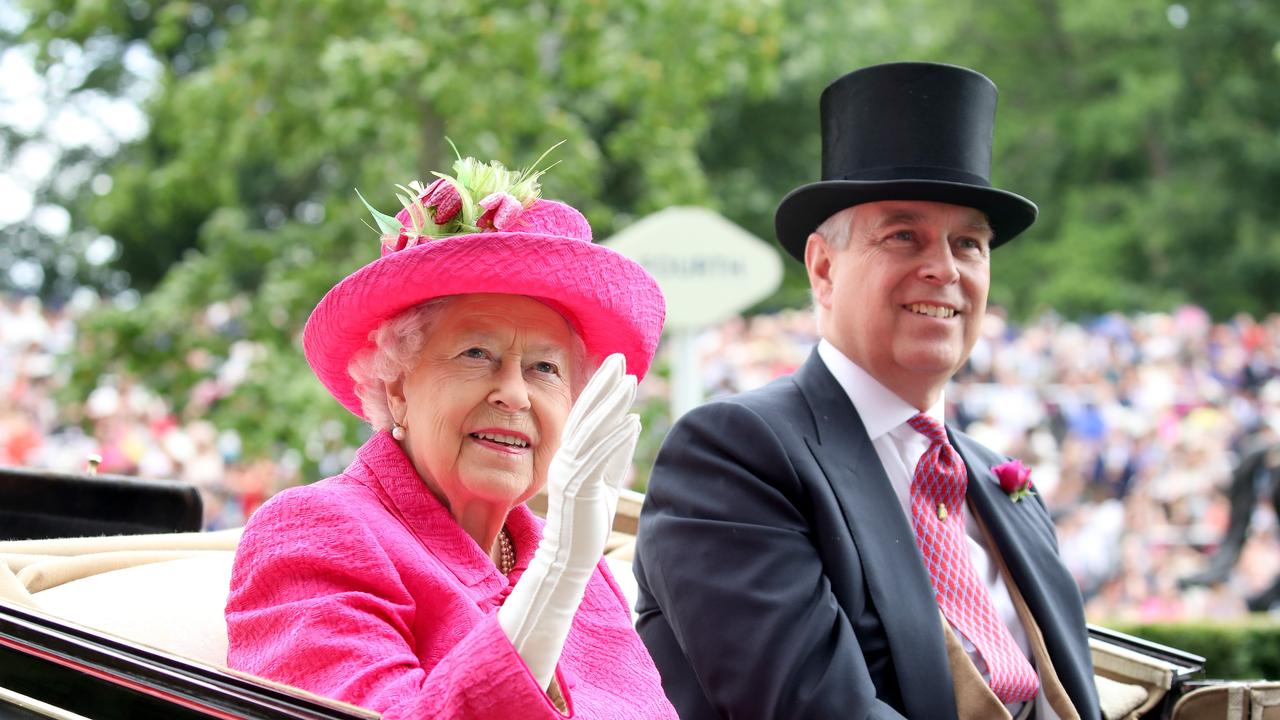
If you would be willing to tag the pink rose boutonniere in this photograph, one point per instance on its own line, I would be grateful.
(1015, 479)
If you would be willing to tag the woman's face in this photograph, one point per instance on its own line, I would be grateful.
(484, 408)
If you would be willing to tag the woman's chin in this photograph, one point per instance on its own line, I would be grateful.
(498, 488)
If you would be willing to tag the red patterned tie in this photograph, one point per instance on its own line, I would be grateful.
(937, 500)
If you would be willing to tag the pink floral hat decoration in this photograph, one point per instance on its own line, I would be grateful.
(485, 229)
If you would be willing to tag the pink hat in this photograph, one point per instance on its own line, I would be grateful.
(511, 242)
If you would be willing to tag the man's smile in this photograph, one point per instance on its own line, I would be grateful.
(937, 311)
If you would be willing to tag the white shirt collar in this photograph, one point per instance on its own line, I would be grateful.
(880, 409)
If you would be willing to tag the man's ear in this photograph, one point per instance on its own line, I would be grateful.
(817, 262)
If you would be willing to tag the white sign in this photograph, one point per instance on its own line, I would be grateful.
(708, 268)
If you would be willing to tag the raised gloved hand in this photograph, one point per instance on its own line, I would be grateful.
(583, 484)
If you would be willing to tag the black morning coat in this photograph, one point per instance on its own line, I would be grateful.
(779, 576)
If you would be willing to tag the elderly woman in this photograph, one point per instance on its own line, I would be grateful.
(417, 583)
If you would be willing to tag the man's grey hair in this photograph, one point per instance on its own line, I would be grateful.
(836, 230)
(397, 350)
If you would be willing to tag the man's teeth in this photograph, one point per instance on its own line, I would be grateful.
(501, 439)
(932, 310)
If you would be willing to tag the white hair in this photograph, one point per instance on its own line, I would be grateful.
(836, 230)
(397, 350)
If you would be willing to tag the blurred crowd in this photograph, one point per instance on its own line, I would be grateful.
(1132, 425)
(132, 430)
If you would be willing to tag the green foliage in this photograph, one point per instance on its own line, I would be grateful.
(1147, 137)
(1151, 149)
(242, 192)
(1248, 650)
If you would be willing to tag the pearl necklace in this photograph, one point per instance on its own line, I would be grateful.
(506, 552)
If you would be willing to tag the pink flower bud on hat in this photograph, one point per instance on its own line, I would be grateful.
(444, 201)
(1015, 479)
(430, 192)
(501, 210)
(394, 242)
(411, 217)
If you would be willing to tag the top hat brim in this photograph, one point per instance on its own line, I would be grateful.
(808, 206)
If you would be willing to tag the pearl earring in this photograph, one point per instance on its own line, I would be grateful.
(397, 431)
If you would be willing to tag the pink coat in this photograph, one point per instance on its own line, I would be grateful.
(362, 588)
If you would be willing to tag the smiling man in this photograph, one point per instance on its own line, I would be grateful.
(827, 546)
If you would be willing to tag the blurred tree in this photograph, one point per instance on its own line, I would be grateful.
(237, 212)
(1147, 134)
(56, 138)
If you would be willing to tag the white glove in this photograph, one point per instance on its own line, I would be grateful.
(583, 484)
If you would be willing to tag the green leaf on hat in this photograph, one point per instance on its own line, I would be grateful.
(386, 223)
(412, 201)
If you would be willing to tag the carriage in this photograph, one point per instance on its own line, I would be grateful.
(111, 605)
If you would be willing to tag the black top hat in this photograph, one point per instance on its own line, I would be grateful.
(905, 131)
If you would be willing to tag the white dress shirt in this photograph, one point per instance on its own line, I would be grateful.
(885, 415)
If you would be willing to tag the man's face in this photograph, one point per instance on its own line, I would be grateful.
(905, 298)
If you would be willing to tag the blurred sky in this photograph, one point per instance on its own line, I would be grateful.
(39, 106)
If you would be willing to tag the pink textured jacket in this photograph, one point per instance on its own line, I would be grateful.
(362, 588)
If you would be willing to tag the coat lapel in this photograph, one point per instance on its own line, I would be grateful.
(895, 575)
(1023, 535)
(1019, 530)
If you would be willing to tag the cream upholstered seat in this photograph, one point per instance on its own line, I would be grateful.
(174, 605)
(164, 591)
